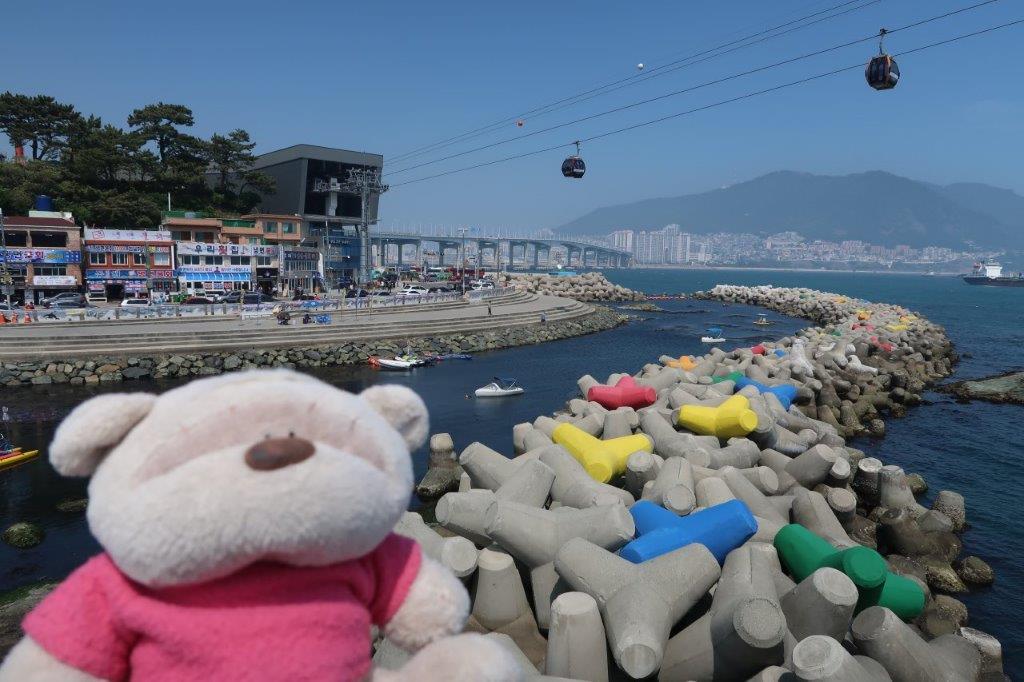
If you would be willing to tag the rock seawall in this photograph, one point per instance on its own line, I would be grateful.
(588, 287)
(105, 369)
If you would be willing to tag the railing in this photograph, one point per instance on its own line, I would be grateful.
(250, 311)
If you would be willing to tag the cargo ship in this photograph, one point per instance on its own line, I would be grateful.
(990, 274)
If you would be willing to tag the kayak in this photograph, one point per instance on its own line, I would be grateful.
(712, 339)
(16, 457)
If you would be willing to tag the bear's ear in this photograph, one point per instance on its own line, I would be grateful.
(86, 435)
(403, 409)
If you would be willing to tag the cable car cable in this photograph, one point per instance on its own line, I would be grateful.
(692, 88)
(713, 105)
(648, 72)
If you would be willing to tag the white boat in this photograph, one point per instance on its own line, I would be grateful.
(713, 335)
(499, 388)
(400, 362)
(762, 320)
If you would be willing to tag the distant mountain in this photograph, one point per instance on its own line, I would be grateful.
(875, 207)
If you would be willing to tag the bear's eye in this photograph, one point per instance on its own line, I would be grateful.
(291, 434)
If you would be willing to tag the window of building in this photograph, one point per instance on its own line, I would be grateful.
(215, 260)
(206, 237)
(51, 270)
(139, 258)
(181, 235)
(17, 238)
(97, 259)
(190, 260)
(240, 260)
(44, 239)
(288, 228)
(270, 226)
(162, 258)
(263, 260)
(119, 258)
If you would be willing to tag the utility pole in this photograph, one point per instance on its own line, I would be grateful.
(462, 267)
(5, 276)
(366, 183)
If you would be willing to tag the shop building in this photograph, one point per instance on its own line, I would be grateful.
(220, 267)
(124, 263)
(43, 254)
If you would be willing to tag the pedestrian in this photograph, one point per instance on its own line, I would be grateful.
(489, 313)
(543, 317)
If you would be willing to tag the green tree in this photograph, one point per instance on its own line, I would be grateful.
(20, 183)
(41, 122)
(159, 123)
(232, 160)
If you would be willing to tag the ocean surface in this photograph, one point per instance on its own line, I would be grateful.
(975, 449)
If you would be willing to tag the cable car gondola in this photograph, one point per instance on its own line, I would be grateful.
(882, 73)
(573, 166)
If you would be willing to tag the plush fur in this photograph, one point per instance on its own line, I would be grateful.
(173, 502)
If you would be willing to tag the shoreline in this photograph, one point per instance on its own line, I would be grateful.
(739, 268)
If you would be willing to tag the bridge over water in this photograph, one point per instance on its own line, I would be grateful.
(521, 250)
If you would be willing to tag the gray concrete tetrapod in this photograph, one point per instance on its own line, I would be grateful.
(813, 466)
(743, 631)
(673, 487)
(639, 602)
(458, 555)
(576, 641)
(811, 510)
(499, 597)
(757, 501)
(819, 658)
(880, 634)
(894, 493)
(821, 604)
(641, 467)
(618, 423)
(866, 480)
(573, 486)
(670, 443)
(487, 468)
(534, 536)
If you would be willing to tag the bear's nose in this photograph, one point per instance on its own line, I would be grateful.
(275, 453)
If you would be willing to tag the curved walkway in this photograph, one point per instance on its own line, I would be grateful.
(200, 335)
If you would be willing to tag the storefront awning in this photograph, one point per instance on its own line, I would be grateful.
(217, 276)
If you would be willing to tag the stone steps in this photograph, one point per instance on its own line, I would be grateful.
(272, 337)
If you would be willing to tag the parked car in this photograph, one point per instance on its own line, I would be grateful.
(65, 296)
(197, 300)
(380, 293)
(70, 304)
(135, 302)
(254, 297)
(233, 296)
(413, 290)
(8, 308)
(481, 285)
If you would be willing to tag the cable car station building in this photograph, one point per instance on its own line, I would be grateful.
(310, 184)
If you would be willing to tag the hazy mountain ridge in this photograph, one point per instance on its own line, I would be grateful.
(875, 206)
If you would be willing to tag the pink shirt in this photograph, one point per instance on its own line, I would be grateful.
(265, 622)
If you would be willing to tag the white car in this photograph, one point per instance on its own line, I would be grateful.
(413, 291)
(134, 302)
(482, 285)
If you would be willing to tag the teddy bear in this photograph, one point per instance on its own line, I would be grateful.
(246, 522)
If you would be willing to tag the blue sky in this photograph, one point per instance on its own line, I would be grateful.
(388, 77)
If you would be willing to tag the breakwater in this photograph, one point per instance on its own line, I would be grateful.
(112, 368)
(588, 287)
(737, 476)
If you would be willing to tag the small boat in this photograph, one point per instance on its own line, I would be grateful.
(15, 457)
(762, 320)
(499, 388)
(398, 363)
(713, 335)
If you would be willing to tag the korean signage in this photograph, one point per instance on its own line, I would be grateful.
(301, 255)
(201, 249)
(214, 268)
(40, 256)
(54, 280)
(115, 248)
(128, 274)
(140, 236)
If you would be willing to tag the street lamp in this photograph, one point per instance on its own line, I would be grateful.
(462, 232)
(5, 276)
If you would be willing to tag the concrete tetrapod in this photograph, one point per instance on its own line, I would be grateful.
(602, 459)
(720, 529)
(573, 487)
(743, 631)
(673, 487)
(821, 604)
(458, 555)
(732, 418)
(802, 552)
(625, 393)
(500, 604)
(879, 633)
(487, 468)
(576, 641)
(641, 467)
(534, 536)
(670, 443)
(823, 659)
(784, 392)
(639, 603)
